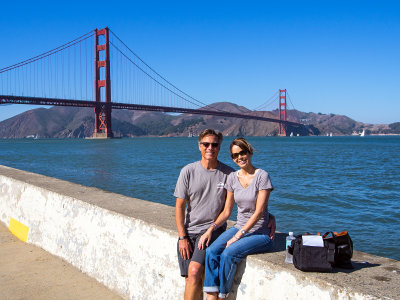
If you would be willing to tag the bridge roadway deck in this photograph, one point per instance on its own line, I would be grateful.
(29, 272)
(4, 99)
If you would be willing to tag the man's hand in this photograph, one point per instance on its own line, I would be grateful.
(272, 226)
(185, 248)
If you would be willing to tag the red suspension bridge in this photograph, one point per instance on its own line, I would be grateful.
(64, 76)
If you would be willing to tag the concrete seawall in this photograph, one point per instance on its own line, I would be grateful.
(129, 245)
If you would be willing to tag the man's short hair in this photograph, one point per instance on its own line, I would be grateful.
(206, 132)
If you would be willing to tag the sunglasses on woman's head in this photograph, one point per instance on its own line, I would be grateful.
(236, 155)
(206, 145)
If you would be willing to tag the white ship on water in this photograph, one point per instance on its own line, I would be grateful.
(362, 133)
(32, 136)
(191, 134)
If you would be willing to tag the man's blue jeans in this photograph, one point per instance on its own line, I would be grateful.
(221, 262)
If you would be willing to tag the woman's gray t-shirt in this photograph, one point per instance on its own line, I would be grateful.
(246, 199)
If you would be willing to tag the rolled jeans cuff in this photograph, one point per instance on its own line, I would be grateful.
(211, 289)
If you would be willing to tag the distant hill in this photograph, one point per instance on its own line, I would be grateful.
(73, 122)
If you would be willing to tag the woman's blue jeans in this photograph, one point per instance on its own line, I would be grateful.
(221, 262)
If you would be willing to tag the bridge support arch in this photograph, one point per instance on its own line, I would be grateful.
(102, 86)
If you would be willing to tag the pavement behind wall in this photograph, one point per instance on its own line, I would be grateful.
(29, 272)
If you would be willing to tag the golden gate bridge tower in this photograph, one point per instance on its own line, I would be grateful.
(282, 112)
(102, 86)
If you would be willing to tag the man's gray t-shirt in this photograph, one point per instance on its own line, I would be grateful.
(246, 199)
(204, 190)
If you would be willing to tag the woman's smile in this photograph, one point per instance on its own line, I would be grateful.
(241, 161)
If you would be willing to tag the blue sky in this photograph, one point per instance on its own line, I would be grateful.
(339, 57)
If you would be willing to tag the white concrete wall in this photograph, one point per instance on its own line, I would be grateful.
(125, 254)
(134, 256)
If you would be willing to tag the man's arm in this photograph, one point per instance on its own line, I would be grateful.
(185, 248)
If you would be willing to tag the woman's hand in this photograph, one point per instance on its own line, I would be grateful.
(272, 226)
(205, 239)
(231, 241)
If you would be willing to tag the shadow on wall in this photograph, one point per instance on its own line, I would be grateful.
(279, 242)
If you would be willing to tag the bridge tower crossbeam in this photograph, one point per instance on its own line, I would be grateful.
(102, 110)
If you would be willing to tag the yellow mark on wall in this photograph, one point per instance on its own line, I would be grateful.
(19, 230)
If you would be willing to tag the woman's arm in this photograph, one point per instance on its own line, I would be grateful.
(261, 204)
(221, 219)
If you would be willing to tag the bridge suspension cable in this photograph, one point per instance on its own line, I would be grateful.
(170, 93)
(48, 53)
(62, 72)
(154, 79)
(290, 100)
(267, 104)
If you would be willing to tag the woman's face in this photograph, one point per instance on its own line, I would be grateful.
(240, 156)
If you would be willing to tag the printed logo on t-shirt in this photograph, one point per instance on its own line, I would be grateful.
(220, 185)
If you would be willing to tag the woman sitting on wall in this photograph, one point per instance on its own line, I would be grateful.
(250, 189)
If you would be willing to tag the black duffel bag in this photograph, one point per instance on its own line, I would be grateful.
(336, 251)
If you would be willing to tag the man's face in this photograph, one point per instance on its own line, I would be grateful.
(209, 147)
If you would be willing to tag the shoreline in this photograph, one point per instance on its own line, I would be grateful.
(169, 136)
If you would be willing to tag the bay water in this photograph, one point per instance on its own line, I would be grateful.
(321, 183)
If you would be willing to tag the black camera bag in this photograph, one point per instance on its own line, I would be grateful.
(312, 259)
(337, 252)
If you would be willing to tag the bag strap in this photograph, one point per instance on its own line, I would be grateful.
(341, 233)
(334, 234)
(331, 252)
(327, 233)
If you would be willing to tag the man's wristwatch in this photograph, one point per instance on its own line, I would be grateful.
(183, 237)
(242, 232)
